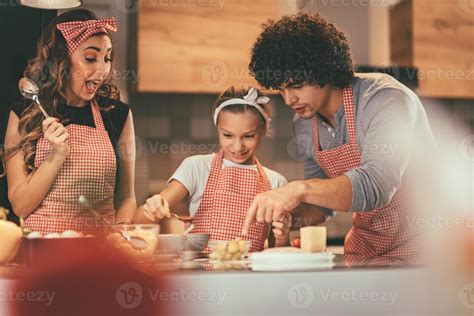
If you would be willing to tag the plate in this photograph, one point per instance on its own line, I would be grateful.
(292, 257)
(291, 261)
(291, 267)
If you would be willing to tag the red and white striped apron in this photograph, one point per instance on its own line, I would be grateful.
(384, 231)
(226, 199)
(88, 170)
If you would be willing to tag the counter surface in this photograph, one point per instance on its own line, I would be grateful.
(365, 290)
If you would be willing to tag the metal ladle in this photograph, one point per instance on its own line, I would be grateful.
(30, 90)
(136, 242)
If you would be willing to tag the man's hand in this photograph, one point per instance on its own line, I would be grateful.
(272, 205)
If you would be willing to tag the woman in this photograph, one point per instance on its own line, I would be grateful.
(79, 150)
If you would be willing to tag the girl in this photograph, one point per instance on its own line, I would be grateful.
(219, 188)
(51, 162)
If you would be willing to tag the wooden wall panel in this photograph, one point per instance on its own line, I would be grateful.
(198, 46)
(443, 47)
(401, 39)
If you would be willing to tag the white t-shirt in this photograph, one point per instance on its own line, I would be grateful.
(194, 172)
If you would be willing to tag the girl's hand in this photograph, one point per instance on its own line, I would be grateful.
(156, 208)
(281, 230)
(57, 135)
(271, 205)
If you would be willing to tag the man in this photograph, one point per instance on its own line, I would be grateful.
(364, 130)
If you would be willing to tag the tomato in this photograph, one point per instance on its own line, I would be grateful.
(296, 242)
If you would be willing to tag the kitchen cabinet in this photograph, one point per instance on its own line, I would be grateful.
(438, 39)
(197, 46)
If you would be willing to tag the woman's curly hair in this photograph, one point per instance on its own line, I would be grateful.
(51, 71)
(301, 49)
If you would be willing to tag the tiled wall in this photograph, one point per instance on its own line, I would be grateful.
(171, 127)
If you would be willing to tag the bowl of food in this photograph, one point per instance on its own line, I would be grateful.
(170, 243)
(36, 247)
(119, 238)
(224, 250)
(196, 242)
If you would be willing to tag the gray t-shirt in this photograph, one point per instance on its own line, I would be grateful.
(392, 132)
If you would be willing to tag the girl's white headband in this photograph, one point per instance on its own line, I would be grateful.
(251, 99)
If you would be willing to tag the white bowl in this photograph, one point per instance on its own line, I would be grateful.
(223, 249)
(196, 242)
(170, 243)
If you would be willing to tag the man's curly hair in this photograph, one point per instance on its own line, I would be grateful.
(301, 49)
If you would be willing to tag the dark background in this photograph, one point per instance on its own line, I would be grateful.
(20, 29)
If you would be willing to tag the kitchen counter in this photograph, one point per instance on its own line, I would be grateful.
(365, 290)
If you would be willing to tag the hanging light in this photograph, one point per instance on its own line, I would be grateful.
(52, 4)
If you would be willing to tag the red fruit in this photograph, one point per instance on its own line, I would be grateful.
(296, 242)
